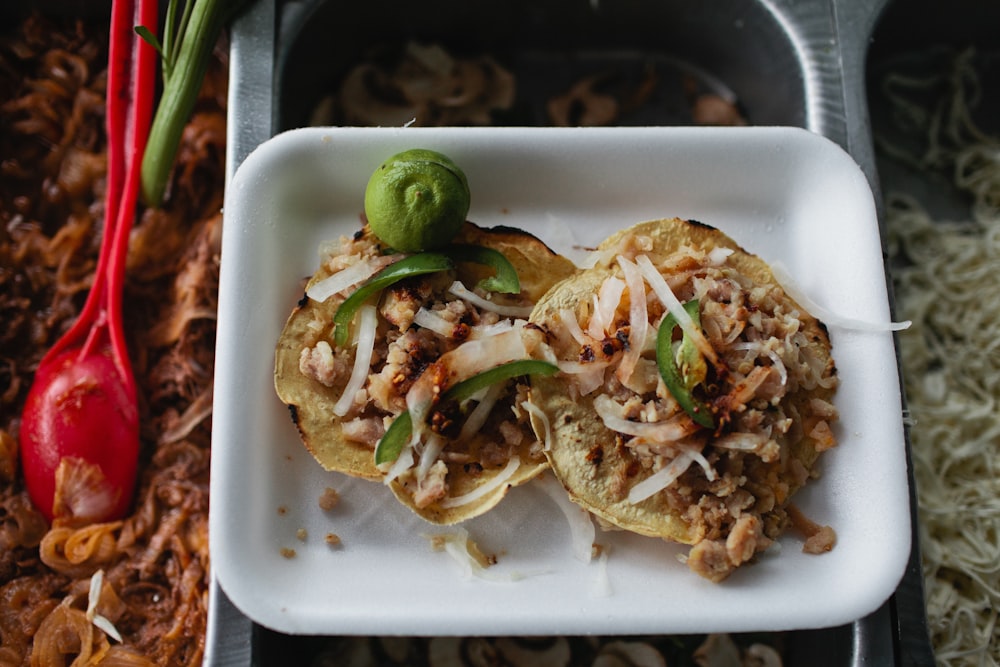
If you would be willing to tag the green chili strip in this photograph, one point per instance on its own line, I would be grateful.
(398, 433)
(414, 265)
(388, 448)
(504, 281)
(671, 374)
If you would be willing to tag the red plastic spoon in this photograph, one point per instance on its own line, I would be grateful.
(79, 432)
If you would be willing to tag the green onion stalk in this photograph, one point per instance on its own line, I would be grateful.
(185, 50)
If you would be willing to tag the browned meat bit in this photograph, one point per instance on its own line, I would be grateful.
(319, 363)
(595, 455)
(368, 430)
(710, 559)
(431, 488)
(712, 109)
(401, 302)
(423, 85)
(820, 542)
(406, 358)
(819, 539)
(745, 539)
(329, 499)
(583, 105)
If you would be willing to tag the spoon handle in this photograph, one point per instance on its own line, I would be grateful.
(128, 131)
(129, 104)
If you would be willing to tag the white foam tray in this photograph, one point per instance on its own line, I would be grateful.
(785, 194)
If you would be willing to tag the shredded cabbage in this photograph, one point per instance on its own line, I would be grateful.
(947, 281)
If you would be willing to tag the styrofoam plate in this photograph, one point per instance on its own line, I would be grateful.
(785, 194)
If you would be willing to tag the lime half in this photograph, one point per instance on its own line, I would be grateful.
(417, 200)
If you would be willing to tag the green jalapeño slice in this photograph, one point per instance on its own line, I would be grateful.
(684, 370)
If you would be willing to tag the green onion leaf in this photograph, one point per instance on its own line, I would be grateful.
(147, 36)
(186, 49)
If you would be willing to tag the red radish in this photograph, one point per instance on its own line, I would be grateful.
(79, 433)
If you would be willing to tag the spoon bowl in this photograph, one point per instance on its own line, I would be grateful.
(81, 426)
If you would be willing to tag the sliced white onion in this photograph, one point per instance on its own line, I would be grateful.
(588, 376)
(402, 463)
(759, 348)
(486, 330)
(700, 459)
(429, 455)
(429, 319)
(474, 422)
(458, 544)
(746, 388)
(605, 305)
(717, 256)
(462, 292)
(581, 367)
(602, 582)
(610, 413)
(745, 442)
(669, 299)
(538, 413)
(777, 362)
(489, 487)
(581, 528)
(828, 317)
(433, 321)
(662, 478)
(637, 316)
(476, 356)
(93, 599)
(572, 326)
(349, 277)
(597, 324)
(477, 397)
(367, 324)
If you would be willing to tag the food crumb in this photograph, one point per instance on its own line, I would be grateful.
(301, 534)
(821, 542)
(329, 499)
(288, 553)
(333, 539)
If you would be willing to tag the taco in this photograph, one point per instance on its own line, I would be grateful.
(694, 412)
(401, 346)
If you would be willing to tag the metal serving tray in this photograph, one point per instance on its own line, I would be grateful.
(787, 62)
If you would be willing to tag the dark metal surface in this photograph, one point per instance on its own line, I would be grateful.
(251, 84)
(789, 62)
